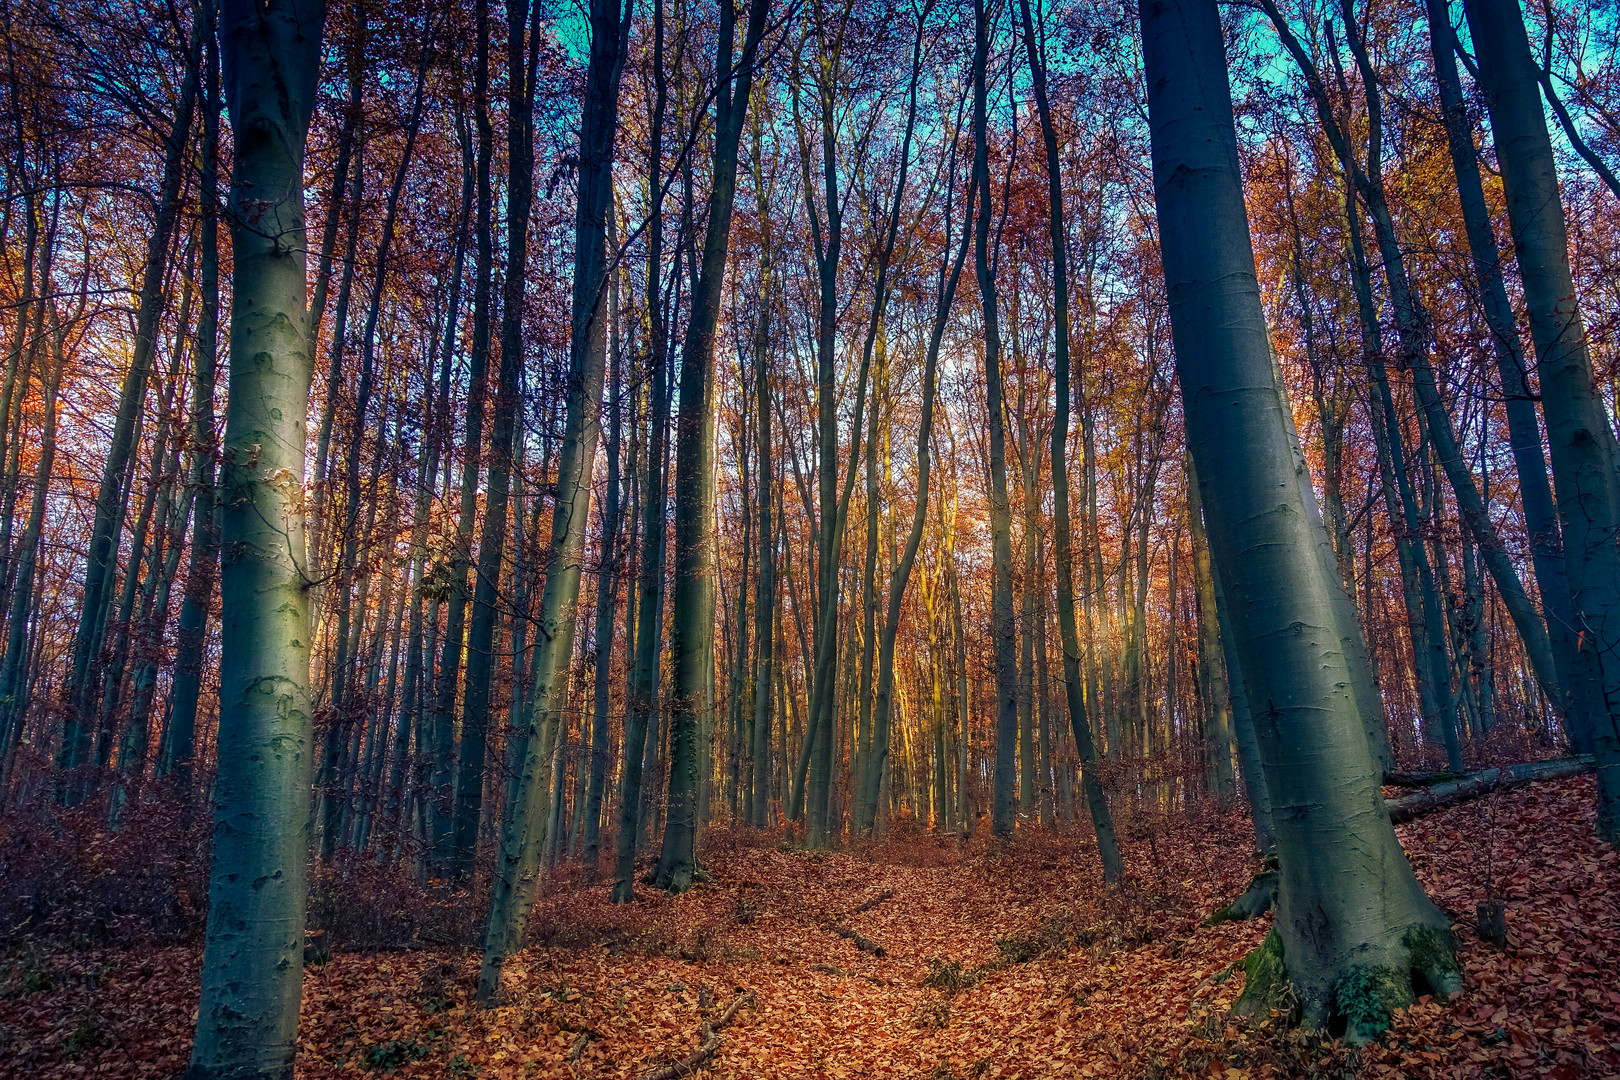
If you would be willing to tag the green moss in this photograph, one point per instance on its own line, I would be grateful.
(1219, 915)
(1266, 985)
(1366, 996)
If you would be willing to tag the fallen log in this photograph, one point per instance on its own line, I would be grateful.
(1475, 784)
(711, 1042)
(1410, 778)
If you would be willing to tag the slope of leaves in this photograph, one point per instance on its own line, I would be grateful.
(998, 962)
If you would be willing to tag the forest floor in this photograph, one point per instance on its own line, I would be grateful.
(998, 962)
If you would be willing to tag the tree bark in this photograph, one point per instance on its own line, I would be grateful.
(1352, 921)
(252, 971)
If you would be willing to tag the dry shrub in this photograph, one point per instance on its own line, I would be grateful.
(69, 878)
(356, 902)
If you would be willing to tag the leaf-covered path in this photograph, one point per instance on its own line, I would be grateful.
(995, 963)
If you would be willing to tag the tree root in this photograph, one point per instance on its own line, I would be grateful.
(711, 1042)
(1475, 784)
(1364, 997)
(1256, 900)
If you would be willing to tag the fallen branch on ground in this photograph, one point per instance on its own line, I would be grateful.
(886, 894)
(711, 1042)
(864, 944)
(1475, 784)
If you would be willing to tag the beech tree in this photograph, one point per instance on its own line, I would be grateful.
(247, 1019)
(1353, 926)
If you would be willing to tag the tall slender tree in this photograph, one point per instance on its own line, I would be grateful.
(252, 971)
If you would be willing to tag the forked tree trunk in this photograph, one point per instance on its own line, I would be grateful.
(1353, 925)
(253, 963)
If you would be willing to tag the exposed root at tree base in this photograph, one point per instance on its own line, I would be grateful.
(1365, 997)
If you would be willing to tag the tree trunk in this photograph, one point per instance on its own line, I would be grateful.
(1582, 442)
(1352, 923)
(101, 566)
(1002, 624)
(203, 565)
(252, 970)
(1074, 687)
(524, 832)
(1218, 718)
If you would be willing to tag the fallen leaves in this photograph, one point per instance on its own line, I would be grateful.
(1072, 981)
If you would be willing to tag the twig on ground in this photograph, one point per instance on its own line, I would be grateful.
(711, 1042)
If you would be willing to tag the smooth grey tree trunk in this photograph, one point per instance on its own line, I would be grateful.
(692, 631)
(1585, 461)
(641, 690)
(607, 591)
(1581, 697)
(1352, 921)
(1002, 624)
(252, 970)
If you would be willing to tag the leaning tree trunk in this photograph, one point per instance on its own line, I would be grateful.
(1002, 628)
(1102, 820)
(692, 632)
(1584, 455)
(524, 831)
(1353, 925)
(253, 963)
(1580, 696)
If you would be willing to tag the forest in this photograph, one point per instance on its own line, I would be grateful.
(809, 538)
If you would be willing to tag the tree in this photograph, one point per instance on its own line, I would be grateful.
(692, 633)
(1352, 923)
(1584, 456)
(1073, 687)
(524, 831)
(247, 1018)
